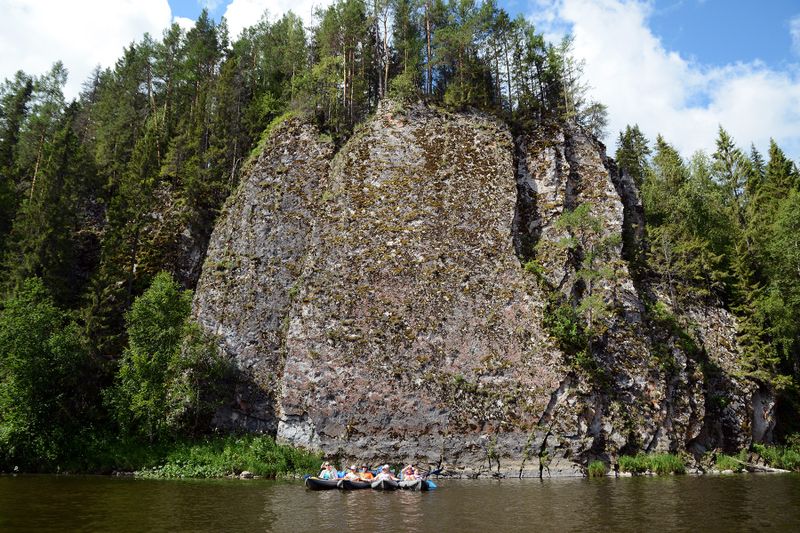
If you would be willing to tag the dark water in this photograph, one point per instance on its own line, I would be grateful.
(680, 503)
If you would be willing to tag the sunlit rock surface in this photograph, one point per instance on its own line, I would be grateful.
(375, 303)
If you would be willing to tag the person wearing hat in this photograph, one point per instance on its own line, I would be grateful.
(352, 474)
(385, 474)
(365, 474)
(328, 471)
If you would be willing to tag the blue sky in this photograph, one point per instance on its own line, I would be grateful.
(676, 67)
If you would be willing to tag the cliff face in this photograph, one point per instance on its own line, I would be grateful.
(375, 303)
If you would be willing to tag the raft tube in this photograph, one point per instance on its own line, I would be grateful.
(346, 484)
(315, 483)
(411, 484)
(385, 484)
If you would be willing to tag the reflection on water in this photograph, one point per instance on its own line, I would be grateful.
(679, 503)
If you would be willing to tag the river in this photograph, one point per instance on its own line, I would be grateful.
(675, 503)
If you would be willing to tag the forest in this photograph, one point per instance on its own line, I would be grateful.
(105, 199)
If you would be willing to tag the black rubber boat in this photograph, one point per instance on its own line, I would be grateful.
(315, 483)
(346, 484)
(385, 484)
(415, 484)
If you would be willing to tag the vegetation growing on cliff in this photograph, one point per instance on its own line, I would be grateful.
(724, 230)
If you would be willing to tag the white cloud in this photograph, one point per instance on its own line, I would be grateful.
(83, 34)
(642, 82)
(186, 24)
(794, 30)
(241, 14)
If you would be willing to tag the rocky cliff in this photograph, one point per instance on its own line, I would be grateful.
(376, 304)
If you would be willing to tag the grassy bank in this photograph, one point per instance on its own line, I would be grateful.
(786, 457)
(657, 463)
(216, 456)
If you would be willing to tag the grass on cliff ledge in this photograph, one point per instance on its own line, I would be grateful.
(596, 469)
(659, 463)
(212, 457)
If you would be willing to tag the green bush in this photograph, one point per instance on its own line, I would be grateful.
(565, 325)
(785, 457)
(403, 87)
(44, 360)
(232, 454)
(597, 469)
(661, 464)
(666, 463)
(635, 464)
(168, 377)
(215, 456)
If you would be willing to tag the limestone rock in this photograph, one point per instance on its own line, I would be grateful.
(375, 303)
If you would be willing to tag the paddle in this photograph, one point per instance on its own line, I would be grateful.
(434, 472)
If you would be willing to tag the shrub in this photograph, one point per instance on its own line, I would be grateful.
(403, 87)
(43, 362)
(565, 325)
(213, 456)
(597, 469)
(167, 376)
(785, 457)
(232, 454)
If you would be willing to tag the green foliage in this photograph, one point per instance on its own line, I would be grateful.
(208, 457)
(661, 464)
(597, 469)
(535, 267)
(403, 87)
(726, 462)
(165, 373)
(223, 456)
(564, 324)
(265, 136)
(786, 457)
(43, 362)
(632, 153)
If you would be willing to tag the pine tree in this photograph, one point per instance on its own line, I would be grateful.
(633, 153)
(15, 96)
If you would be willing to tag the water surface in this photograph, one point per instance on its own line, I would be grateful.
(675, 503)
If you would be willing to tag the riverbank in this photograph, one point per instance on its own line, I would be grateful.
(259, 456)
(209, 457)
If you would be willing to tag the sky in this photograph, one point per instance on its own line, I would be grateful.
(680, 68)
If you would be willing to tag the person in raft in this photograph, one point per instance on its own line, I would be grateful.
(365, 474)
(351, 474)
(409, 473)
(327, 472)
(385, 474)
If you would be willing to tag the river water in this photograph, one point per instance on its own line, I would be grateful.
(675, 503)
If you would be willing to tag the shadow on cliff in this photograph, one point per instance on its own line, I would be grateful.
(248, 408)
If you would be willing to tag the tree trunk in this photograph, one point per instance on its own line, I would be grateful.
(378, 41)
(385, 52)
(428, 82)
(36, 165)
